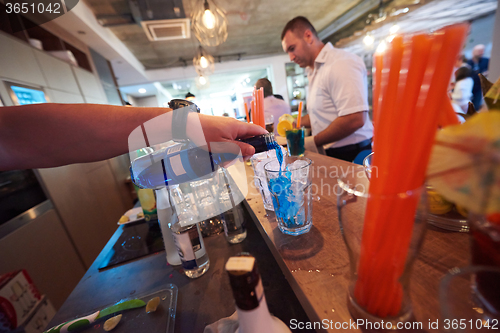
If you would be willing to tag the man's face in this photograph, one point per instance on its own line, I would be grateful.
(297, 48)
(478, 51)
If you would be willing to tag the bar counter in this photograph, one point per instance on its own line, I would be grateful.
(314, 265)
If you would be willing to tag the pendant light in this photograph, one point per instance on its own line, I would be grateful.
(203, 62)
(209, 23)
(202, 82)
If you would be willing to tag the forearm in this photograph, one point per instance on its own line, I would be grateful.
(305, 121)
(46, 135)
(341, 128)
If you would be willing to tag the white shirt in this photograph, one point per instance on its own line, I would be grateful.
(275, 107)
(337, 87)
(462, 92)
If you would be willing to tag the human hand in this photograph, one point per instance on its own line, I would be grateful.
(204, 130)
(310, 144)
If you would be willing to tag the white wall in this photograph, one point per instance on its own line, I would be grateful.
(150, 101)
(495, 50)
(276, 63)
(481, 32)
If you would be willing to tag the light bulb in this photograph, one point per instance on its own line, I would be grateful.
(368, 40)
(142, 91)
(203, 62)
(202, 80)
(394, 29)
(208, 19)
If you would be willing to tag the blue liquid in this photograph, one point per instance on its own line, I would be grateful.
(279, 153)
(289, 210)
(287, 204)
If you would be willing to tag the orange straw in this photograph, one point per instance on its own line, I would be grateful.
(300, 114)
(257, 107)
(253, 111)
(261, 102)
(246, 111)
(411, 90)
(448, 116)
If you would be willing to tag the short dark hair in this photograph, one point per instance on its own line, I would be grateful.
(266, 84)
(298, 25)
(462, 73)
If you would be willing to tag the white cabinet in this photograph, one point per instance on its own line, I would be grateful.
(57, 96)
(57, 73)
(90, 86)
(18, 62)
(43, 248)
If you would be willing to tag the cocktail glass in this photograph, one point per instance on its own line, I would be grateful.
(290, 188)
(295, 141)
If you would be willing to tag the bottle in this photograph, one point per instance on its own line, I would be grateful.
(233, 218)
(165, 216)
(185, 162)
(234, 225)
(148, 203)
(191, 248)
(186, 235)
(251, 306)
(146, 196)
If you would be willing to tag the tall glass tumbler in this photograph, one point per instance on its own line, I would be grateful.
(295, 141)
(290, 188)
(381, 256)
(260, 183)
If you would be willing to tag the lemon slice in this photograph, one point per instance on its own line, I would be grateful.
(124, 219)
(152, 304)
(437, 204)
(147, 199)
(287, 117)
(283, 126)
(111, 323)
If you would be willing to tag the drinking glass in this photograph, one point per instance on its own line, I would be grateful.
(260, 182)
(187, 235)
(233, 217)
(466, 305)
(295, 141)
(290, 187)
(269, 120)
(485, 247)
(205, 193)
(380, 269)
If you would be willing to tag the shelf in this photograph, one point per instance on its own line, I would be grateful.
(26, 30)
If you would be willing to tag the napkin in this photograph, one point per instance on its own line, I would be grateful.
(224, 325)
(310, 145)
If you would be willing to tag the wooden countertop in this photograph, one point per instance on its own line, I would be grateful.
(316, 264)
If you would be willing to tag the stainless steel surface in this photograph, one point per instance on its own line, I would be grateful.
(24, 218)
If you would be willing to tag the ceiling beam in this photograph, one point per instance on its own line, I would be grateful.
(353, 14)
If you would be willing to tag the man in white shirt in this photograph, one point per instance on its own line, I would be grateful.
(272, 105)
(337, 103)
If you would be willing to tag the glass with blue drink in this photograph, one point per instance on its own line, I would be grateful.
(295, 141)
(290, 187)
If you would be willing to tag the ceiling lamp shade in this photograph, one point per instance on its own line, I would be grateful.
(209, 24)
(203, 62)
